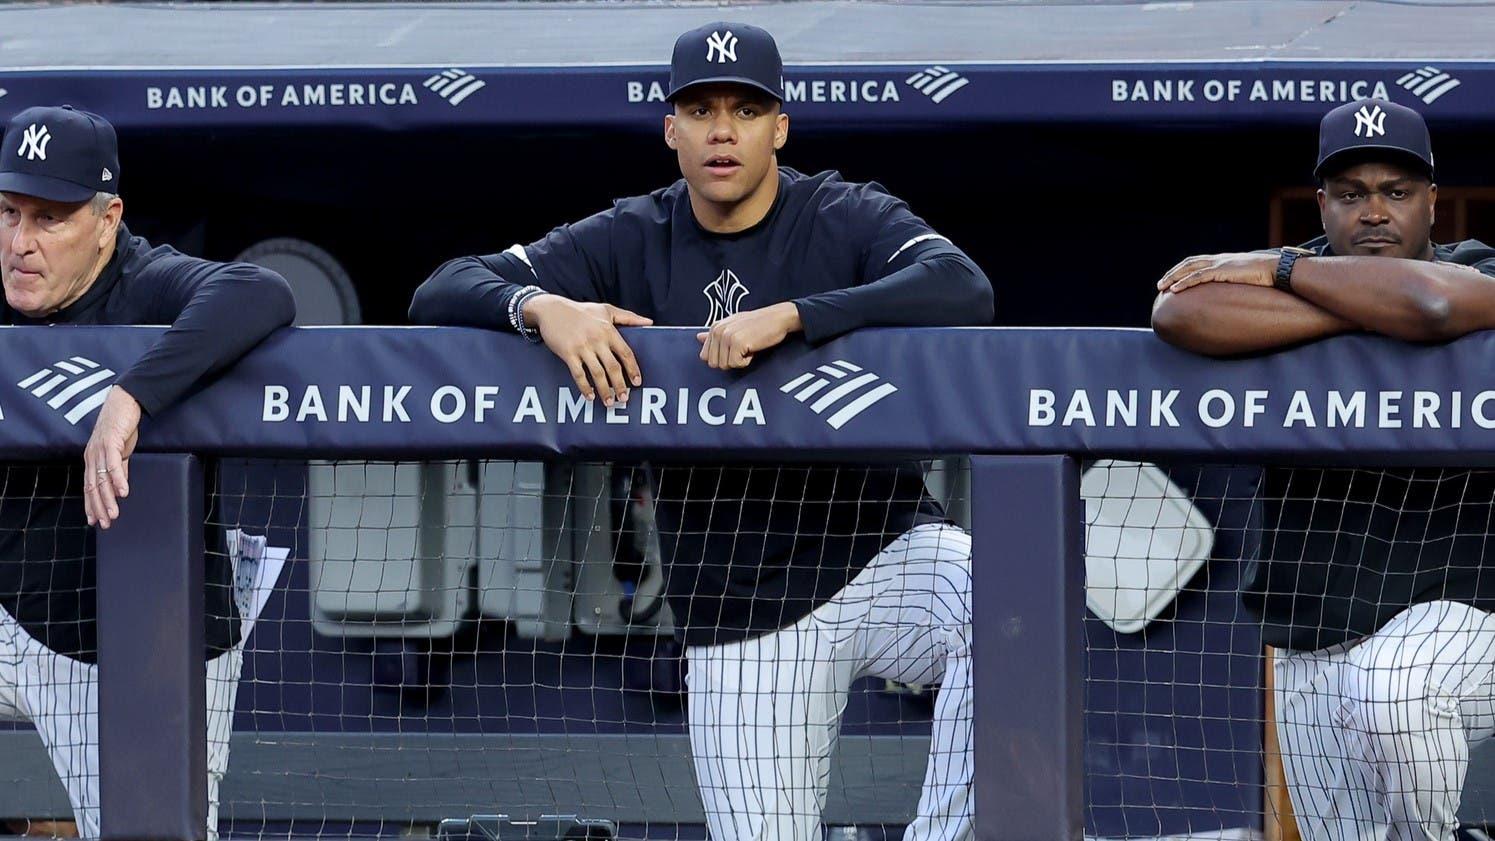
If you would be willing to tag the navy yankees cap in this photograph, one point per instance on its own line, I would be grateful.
(727, 52)
(61, 154)
(1374, 127)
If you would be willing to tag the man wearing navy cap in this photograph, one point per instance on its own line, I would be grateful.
(66, 258)
(786, 583)
(1373, 584)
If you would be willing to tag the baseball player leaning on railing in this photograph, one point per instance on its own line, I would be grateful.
(66, 258)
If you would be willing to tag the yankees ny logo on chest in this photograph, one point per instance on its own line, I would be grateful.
(725, 294)
(34, 142)
(721, 47)
(1370, 123)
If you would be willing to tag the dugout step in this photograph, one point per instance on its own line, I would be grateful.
(543, 828)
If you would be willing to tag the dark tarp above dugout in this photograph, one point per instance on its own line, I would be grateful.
(849, 64)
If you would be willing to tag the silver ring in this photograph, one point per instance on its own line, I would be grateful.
(102, 471)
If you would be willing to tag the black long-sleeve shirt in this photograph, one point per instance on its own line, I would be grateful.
(749, 549)
(1346, 550)
(217, 312)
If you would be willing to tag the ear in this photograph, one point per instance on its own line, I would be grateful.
(111, 219)
(1323, 200)
(1432, 205)
(781, 131)
(669, 132)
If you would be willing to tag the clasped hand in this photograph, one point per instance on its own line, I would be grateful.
(585, 337)
(1245, 268)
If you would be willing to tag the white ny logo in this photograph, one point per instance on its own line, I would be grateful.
(1373, 122)
(725, 294)
(721, 47)
(34, 142)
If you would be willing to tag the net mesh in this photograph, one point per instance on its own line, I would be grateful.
(461, 638)
(1288, 650)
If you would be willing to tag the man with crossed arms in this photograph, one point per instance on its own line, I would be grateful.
(1372, 583)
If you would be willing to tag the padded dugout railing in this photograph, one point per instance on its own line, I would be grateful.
(1009, 396)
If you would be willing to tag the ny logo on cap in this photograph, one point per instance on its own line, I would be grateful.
(725, 294)
(34, 142)
(721, 47)
(1370, 122)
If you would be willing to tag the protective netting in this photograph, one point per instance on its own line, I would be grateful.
(1288, 649)
(453, 639)
(462, 638)
(49, 649)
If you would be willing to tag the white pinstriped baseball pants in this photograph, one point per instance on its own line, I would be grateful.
(60, 697)
(765, 712)
(1376, 733)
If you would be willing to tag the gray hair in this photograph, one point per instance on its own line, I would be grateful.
(100, 202)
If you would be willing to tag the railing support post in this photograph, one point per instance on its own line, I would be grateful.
(152, 706)
(1028, 647)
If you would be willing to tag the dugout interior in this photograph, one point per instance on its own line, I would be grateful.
(1076, 152)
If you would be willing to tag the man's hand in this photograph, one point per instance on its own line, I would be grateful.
(1249, 269)
(586, 338)
(106, 459)
(731, 342)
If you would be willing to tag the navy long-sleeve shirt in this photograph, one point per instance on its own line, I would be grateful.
(216, 312)
(749, 550)
(1346, 550)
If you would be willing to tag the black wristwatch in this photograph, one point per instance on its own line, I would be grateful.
(1283, 279)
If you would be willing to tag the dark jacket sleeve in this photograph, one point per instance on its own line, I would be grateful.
(574, 261)
(940, 288)
(217, 313)
(910, 276)
(471, 292)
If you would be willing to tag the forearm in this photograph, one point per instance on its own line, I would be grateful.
(1415, 300)
(227, 317)
(944, 290)
(466, 292)
(1225, 319)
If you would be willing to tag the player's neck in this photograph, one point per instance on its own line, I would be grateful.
(721, 218)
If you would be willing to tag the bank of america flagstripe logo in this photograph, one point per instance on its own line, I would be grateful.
(79, 384)
(847, 389)
(455, 85)
(1428, 83)
(937, 82)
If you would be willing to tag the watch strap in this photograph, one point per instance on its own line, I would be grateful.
(1283, 277)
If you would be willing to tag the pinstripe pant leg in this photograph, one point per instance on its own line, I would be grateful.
(222, 693)
(1327, 790)
(1422, 690)
(917, 630)
(59, 696)
(763, 717)
(1376, 735)
(764, 713)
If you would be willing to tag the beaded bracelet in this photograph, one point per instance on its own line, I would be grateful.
(516, 312)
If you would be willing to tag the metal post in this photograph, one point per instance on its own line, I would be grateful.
(152, 716)
(1028, 647)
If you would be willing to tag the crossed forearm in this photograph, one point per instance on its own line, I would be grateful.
(1226, 304)
(1226, 319)
(1415, 300)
